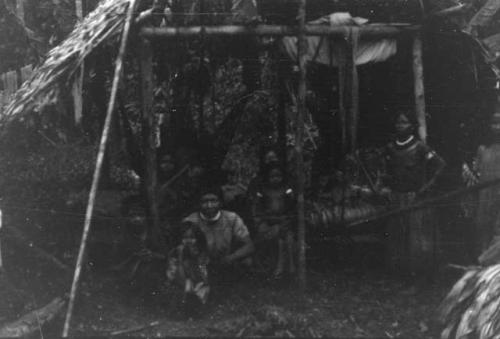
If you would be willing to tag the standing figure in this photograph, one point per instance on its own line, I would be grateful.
(488, 168)
(273, 217)
(234, 194)
(412, 169)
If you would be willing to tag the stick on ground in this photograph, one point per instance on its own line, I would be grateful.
(32, 321)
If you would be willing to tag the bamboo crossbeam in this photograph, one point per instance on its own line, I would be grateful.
(374, 31)
(424, 203)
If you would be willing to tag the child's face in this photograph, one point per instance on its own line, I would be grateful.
(189, 240)
(167, 164)
(403, 125)
(323, 181)
(232, 179)
(275, 177)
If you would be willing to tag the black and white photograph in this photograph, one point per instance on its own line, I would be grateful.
(250, 168)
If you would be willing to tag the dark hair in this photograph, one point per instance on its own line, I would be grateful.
(409, 114)
(199, 236)
(210, 190)
(265, 150)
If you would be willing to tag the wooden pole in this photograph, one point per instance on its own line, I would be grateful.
(98, 167)
(149, 146)
(20, 9)
(418, 76)
(368, 32)
(299, 136)
(79, 9)
(281, 122)
(354, 116)
(78, 82)
(424, 203)
(1, 224)
(341, 94)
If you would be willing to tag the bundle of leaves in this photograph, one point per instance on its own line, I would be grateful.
(471, 309)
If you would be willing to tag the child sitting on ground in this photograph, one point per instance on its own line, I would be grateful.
(188, 263)
(273, 217)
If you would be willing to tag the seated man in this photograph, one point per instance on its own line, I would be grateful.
(229, 245)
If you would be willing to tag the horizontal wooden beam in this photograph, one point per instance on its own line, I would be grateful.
(373, 31)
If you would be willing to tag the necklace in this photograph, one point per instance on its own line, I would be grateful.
(406, 142)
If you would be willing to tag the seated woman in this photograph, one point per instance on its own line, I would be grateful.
(272, 211)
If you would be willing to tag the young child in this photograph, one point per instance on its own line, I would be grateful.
(273, 218)
(233, 193)
(188, 263)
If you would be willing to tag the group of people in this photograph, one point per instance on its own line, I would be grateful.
(216, 243)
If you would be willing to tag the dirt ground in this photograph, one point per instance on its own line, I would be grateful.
(348, 295)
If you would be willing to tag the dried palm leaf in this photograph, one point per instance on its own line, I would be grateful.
(105, 23)
(472, 308)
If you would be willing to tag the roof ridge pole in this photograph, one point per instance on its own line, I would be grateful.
(299, 136)
(99, 163)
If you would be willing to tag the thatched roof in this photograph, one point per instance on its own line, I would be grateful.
(104, 23)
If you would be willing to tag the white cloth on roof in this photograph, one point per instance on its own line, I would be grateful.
(322, 50)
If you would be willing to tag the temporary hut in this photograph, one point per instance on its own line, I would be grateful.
(358, 55)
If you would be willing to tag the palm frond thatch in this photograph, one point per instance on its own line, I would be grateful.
(105, 22)
(484, 16)
(471, 309)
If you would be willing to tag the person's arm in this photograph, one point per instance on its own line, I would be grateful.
(244, 251)
(241, 234)
(438, 164)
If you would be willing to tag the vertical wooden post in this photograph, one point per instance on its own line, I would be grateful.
(354, 116)
(282, 124)
(341, 93)
(78, 82)
(148, 143)
(299, 136)
(78, 9)
(418, 75)
(98, 166)
(20, 9)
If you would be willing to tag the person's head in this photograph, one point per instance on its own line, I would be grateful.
(274, 176)
(195, 171)
(324, 180)
(405, 123)
(495, 125)
(210, 202)
(167, 164)
(232, 177)
(270, 156)
(193, 239)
